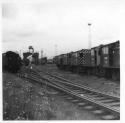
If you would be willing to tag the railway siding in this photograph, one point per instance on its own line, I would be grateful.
(63, 87)
(99, 84)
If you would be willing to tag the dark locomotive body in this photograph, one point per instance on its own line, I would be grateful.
(103, 60)
(11, 62)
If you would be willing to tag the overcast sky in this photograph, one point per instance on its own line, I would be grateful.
(63, 23)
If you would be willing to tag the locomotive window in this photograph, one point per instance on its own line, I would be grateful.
(64, 55)
(105, 50)
(92, 52)
(75, 54)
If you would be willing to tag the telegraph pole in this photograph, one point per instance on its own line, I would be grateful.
(89, 36)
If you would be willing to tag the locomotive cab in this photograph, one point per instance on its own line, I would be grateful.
(96, 56)
(105, 56)
(110, 56)
(111, 60)
(114, 55)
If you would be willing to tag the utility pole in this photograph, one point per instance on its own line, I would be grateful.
(89, 36)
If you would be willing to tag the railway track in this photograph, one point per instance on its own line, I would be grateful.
(107, 106)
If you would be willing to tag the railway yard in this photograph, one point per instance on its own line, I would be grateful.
(48, 93)
(62, 60)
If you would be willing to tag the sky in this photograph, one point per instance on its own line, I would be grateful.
(59, 26)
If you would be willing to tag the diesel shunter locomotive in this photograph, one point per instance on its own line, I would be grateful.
(103, 60)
